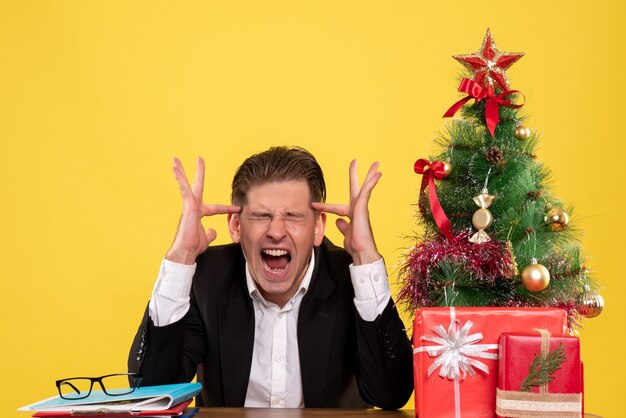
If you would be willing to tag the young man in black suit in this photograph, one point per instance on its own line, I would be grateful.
(281, 317)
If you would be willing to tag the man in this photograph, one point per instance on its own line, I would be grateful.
(279, 318)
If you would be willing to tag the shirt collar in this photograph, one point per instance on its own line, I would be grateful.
(253, 290)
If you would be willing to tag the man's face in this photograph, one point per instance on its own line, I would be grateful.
(277, 229)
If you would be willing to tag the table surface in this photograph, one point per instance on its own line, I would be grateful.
(299, 413)
(307, 413)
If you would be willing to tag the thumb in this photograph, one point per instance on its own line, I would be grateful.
(342, 225)
(211, 235)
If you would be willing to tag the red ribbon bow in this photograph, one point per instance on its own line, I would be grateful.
(492, 105)
(431, 172)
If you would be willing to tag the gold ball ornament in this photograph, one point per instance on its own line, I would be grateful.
(447, 168)
(535, 277)
(482, 219)
(589, 303)
(556, 219)
(522, 132)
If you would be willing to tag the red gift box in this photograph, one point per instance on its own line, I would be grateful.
(561, 397)
(455, 356)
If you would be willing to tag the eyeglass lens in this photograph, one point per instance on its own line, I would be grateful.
(75, 388)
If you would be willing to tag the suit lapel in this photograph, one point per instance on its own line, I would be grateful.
(315, 330)
(236, 336)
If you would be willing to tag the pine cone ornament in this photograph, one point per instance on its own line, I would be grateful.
(494, 156)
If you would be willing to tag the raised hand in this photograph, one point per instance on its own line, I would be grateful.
(358, 235)
(191, 238)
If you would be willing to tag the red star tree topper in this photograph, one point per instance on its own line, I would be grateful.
(488, 65)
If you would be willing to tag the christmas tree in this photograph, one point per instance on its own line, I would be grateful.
(492, 231)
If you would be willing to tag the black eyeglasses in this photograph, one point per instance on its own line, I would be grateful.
(80, 387)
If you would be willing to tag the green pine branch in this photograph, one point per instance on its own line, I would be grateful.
(542, 369)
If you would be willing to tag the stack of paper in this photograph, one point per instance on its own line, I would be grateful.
(152, 401)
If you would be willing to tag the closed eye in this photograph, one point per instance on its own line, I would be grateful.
(288, 217)
(260, 216)
(294, 217)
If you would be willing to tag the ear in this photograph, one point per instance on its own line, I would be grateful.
(320, 227)
(233, 227)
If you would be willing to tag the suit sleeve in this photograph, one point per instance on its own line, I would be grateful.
(385, 360)
(168, 354)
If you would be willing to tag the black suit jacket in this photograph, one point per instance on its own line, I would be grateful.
(339, 351)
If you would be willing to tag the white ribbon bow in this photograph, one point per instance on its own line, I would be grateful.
(455, 349)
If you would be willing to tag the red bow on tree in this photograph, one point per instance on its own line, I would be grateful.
(492, 105)
(431, 172)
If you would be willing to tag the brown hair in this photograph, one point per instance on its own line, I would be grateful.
(279, 164)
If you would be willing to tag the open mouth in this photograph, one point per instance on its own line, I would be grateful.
(275, 261)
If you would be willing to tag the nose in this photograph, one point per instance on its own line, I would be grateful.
(277, 228)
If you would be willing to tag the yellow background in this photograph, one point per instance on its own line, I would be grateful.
(97, 97)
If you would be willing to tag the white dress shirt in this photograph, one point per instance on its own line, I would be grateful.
(275, 378)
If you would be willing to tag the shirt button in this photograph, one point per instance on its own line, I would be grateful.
(376, 277)
(280, 315)
(279, 358)
(362, 280)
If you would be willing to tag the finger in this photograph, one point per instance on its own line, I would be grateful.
(198, 183)
(355, 187)
(372, 171)
(341, 210)
(342, 225)
(183, 184)
(361, 203)
(213, 209)
(179, 165)
(210, 235)
(366, 190)
(373, 175)
(369, 185)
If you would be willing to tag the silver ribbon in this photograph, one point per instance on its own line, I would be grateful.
(457, 351)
